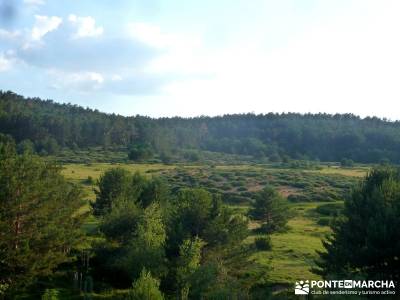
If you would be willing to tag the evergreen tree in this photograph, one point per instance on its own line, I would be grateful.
(39, 223)
(366, 241)
(224, 227)
(26, 146)
(113, 184)
(194, 207)
(271, 209)
(140, 152)
(121, 223)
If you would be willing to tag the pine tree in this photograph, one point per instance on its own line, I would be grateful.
(365, 242)
(271, 209)
(39, 223)
(113, 184)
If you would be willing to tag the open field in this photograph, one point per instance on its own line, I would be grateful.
(293, 252)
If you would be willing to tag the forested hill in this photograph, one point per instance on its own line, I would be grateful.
(48, 126)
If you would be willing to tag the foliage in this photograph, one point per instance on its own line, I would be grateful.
(330, 209)
(188, 263)
(140, 152)
(263, 243)
(50, 294)
(321, 137)
(145, 288)
(113, 184)
(26, 146)
(364, 241)
(146, 248)
(121, 223)
(117, 185)
(271, 209)
(39, 223)
(345, 162)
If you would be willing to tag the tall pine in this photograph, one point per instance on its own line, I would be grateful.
(39, 219)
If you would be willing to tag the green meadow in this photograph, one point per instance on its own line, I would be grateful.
(293, 251)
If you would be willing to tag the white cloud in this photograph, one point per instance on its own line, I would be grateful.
(116, 77)
(44, 25)
(9, 35)
(150, 35)
(5, 63)
(86, 26)
(34, 2)
(153, 36)
(347, 63)
(182, 53)
(83, 81)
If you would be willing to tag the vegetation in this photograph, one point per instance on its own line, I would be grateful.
(40, 226)
(49, 128)
(146, 288)
(361, 244)
(271, 209)
(263, 243)
(232, 207)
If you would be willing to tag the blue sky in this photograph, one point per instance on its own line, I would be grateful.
(190, 58)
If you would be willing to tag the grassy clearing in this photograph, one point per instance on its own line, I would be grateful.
(293, 252)
(79, 173)
(353, 172)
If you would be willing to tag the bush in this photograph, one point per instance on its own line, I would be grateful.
(324, 221)
(331, 209)
(191, 155)
(140, 152)
(146, 288)
(89, 180)
(50, 294)
(263, 243)
(345, 162)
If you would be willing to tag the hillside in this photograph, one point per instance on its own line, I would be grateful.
(48, 126)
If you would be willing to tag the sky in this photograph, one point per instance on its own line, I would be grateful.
(211, 57)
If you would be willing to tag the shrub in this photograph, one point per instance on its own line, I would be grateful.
(89, 180)
(324, 221)
(263, 243)
(50, 294)
(331, 209)
(146, 288)
(345, 162)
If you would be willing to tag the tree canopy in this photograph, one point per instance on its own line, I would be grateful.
(365, 242)
(271, 209)
(47, 127)
(39, 223)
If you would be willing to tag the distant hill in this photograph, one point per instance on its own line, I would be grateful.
(49, 126)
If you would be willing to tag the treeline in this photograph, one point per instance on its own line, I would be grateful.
(46, 127)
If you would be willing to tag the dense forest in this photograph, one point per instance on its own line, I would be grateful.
(46, 127)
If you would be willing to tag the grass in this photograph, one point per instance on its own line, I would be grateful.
(293, 252)
(353, 172)
(78, 173)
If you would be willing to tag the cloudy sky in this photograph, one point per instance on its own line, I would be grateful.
(209, 57)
